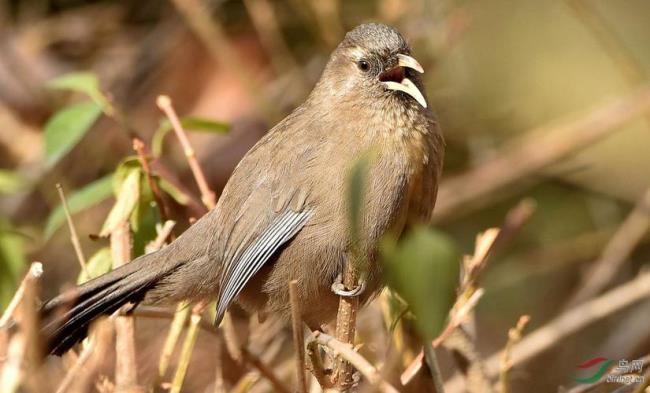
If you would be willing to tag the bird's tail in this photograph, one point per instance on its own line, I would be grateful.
(67, 317)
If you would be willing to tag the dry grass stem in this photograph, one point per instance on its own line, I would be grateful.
(536, 150)
(207, 195)
(616, 252)
(175, 329)
(514, 336)
(186, 352)
(74, 238)
(569, 322)
(126, 370)
(575, 319)
(347, 352)
(298, 336)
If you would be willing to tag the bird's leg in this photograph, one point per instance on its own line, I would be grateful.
(339, 289)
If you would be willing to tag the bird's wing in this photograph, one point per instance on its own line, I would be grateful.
(281, 229)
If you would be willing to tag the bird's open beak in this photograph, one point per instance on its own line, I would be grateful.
(395, 78)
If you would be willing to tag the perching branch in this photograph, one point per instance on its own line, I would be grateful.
(347, 352)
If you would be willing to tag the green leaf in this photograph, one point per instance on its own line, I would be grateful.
(97, 265)
(87, 196)
(356, 190)
(127, 199)
(66, 128)
(174, 192)
(12, 260)
(189, 123)
(11, 181)
(423, 268)
(82, 82)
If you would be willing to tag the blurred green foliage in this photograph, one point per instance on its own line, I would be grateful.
(66, 128)
(423, 267)
(12, 260)
(97, 265)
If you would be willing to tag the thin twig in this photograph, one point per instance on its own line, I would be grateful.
(207, 195)
(514, 336)
(139, 147)
(616, 252)
(346, 351)
(536, 150)
(126, 370)
(569, 322)
(298, 337)
(316, 365)
(74, 238)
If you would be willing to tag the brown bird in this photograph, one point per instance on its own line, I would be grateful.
(283, 213)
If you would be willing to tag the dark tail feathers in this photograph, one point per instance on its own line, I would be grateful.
(66, 318)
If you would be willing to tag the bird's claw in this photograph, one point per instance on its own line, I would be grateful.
(339, 289)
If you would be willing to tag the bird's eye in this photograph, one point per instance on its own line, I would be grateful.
(363, 65)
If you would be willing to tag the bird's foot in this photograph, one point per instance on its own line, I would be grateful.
(339, 289)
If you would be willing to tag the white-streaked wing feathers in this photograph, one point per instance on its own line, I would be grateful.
(281, 229)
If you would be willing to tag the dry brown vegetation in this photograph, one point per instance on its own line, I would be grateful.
(133, 114)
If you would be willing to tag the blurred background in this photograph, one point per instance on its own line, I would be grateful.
(543, 101)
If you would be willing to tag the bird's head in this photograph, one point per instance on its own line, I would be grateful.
(374, 60)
